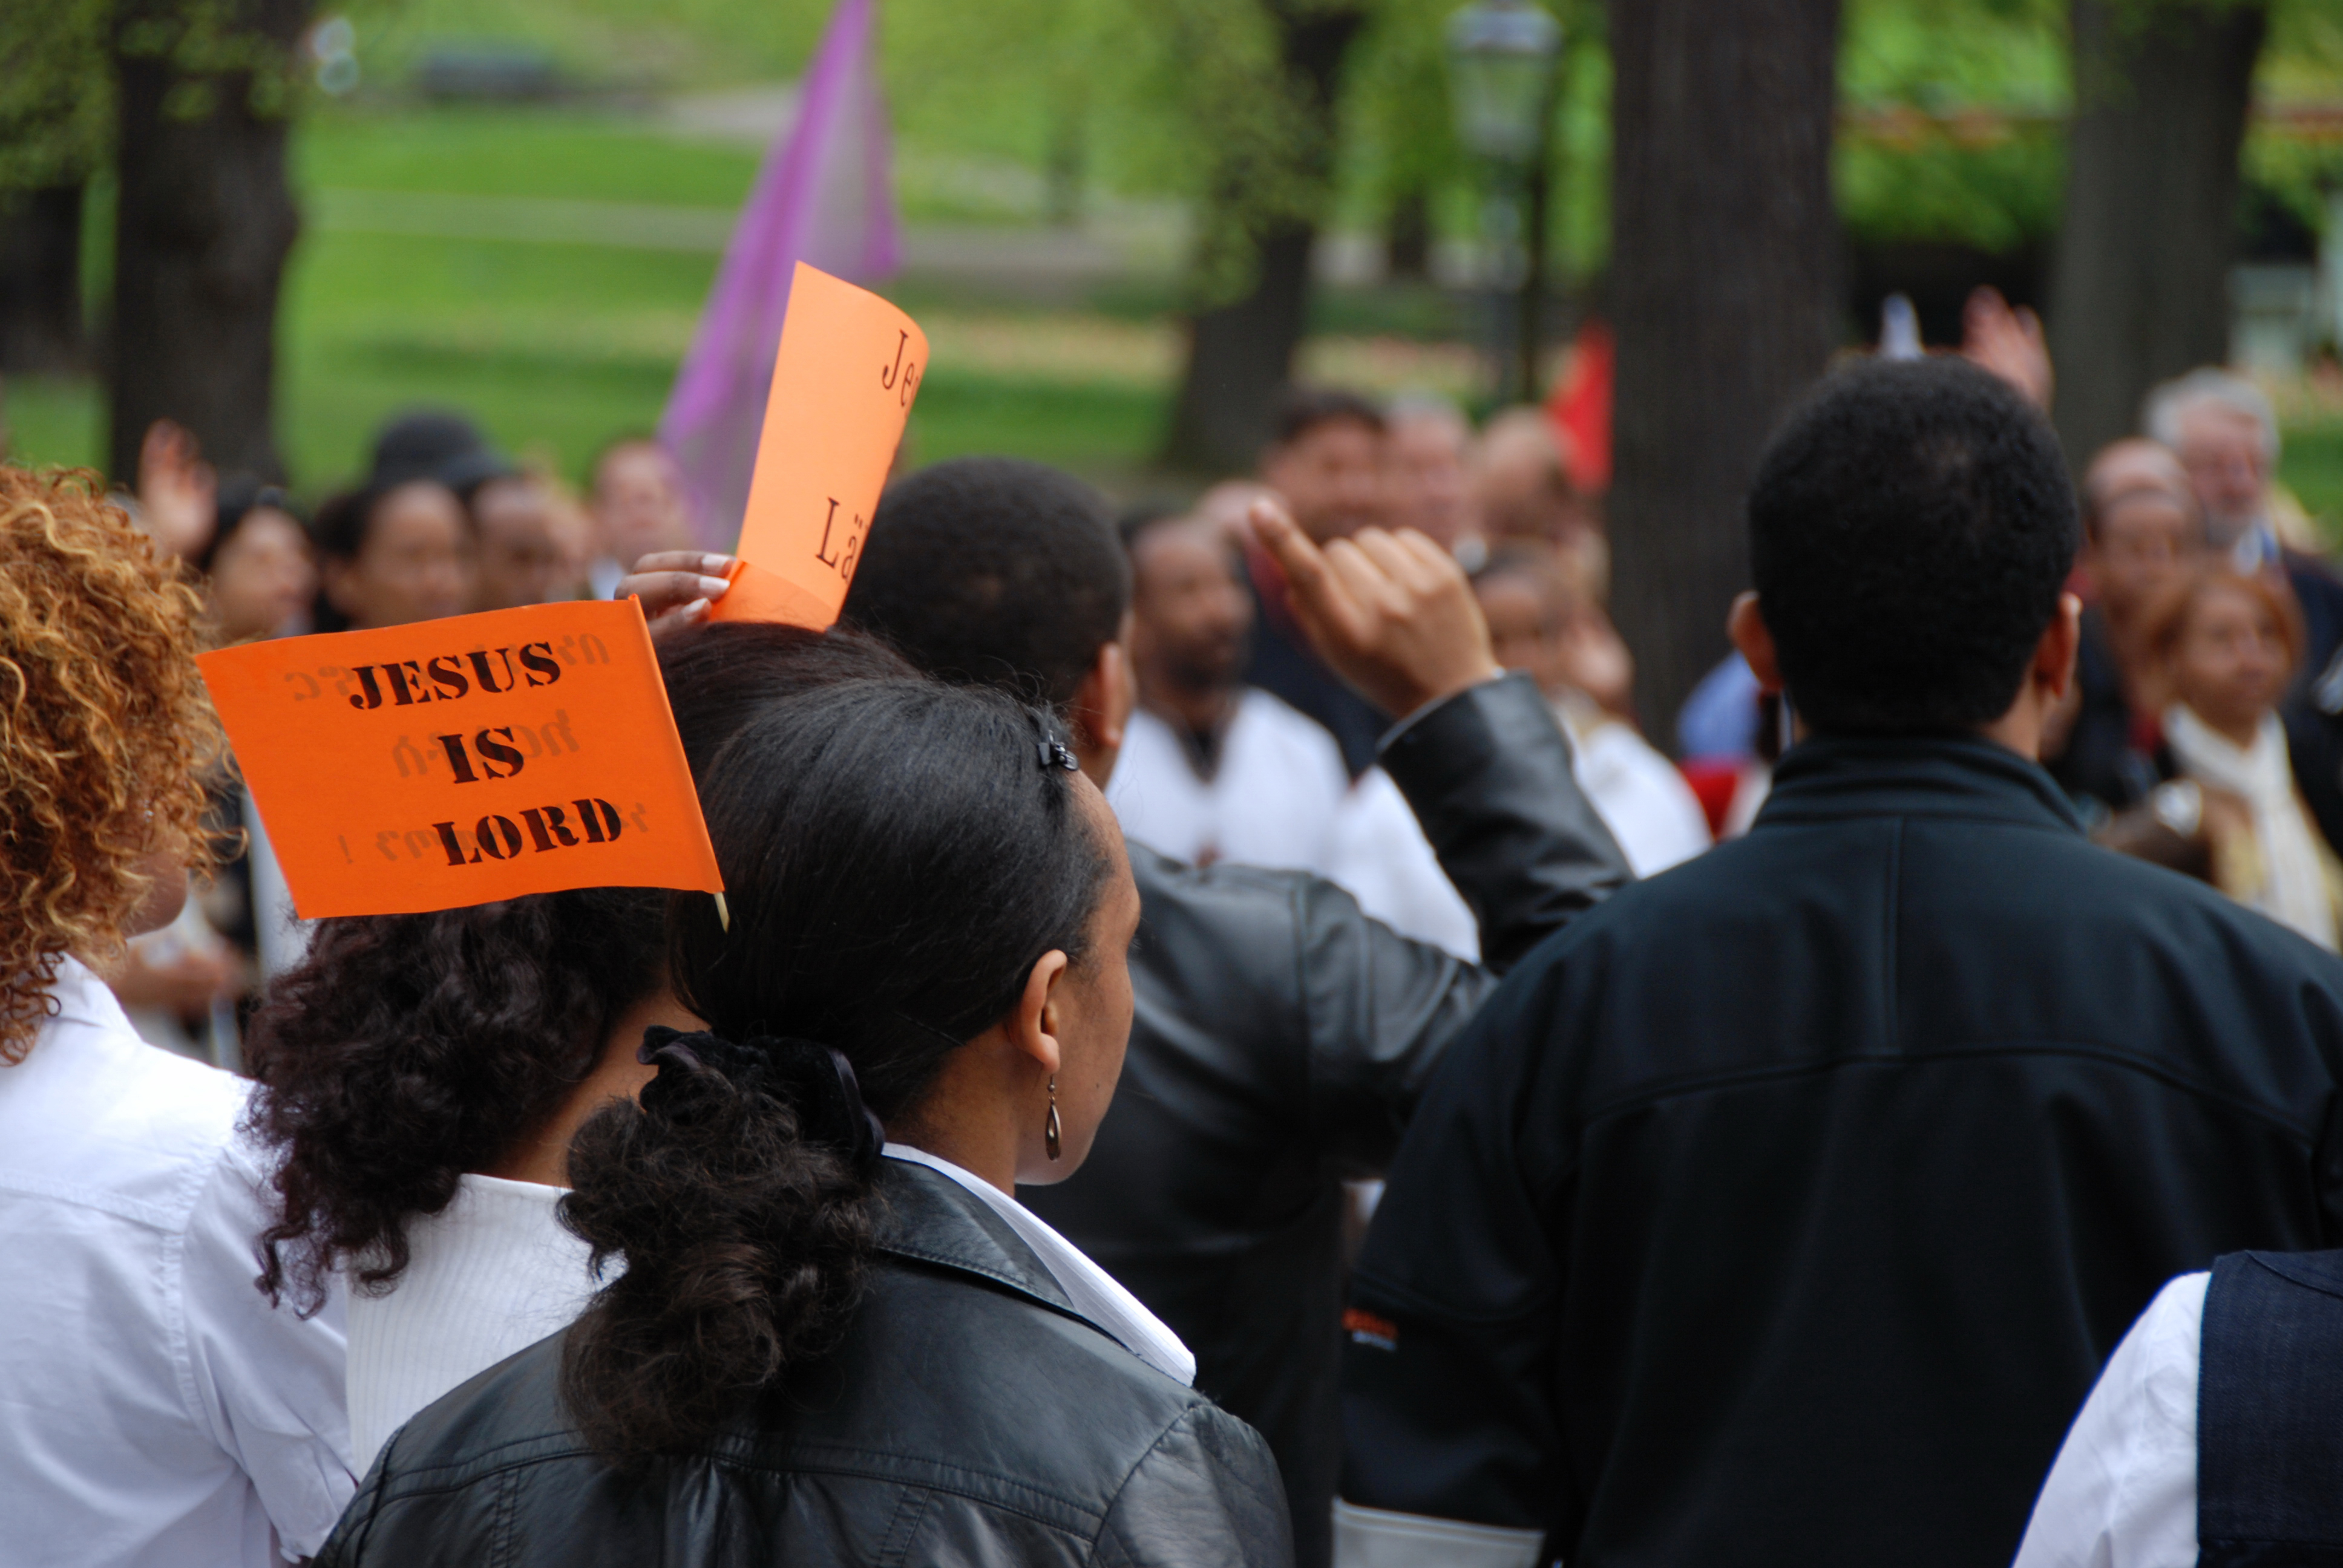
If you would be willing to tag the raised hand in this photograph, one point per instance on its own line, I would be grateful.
(2009, 342)
(677, 586)
(178, 493)
(1392, 614)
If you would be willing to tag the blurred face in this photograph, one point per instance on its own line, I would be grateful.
(1190, 613)
(2144, 543)
(522, 558)
(1429, 489)
(2228, 466)
(2230, 663)
(1518, 625)
(638, 503)
(1090, 1011)
(263, 576)
(416, 565)
(1331, 477)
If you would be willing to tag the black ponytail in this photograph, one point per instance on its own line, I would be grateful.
(897, 855)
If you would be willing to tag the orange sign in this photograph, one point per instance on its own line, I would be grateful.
(453, 762)
(849, 366)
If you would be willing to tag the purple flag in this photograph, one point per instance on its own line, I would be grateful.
(826, 196)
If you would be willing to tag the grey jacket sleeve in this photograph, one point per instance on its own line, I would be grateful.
(1488, 773)
(1207, 1496)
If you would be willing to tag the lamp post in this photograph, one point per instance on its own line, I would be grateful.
(1501, 56)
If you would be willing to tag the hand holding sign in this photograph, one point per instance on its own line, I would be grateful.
(455, 762)
(848, 366)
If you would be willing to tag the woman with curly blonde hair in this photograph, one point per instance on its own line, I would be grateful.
(158, 1409)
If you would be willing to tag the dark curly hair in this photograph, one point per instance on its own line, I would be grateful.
(993, 571)
(1910, 530)
(897, 859)
(407, 1050)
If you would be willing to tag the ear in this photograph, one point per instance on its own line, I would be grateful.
(1745, 625)
(1101, 705)
(1032, 1025)
(2062, 639)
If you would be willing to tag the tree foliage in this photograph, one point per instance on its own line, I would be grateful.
(57, 92)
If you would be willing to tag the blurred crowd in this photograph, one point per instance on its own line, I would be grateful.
(2205, 729)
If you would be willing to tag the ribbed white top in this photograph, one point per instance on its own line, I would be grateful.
(492, 1273)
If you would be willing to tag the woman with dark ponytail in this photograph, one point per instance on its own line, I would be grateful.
(838, 1338)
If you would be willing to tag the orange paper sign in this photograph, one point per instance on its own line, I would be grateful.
(453, 762)
(848, 366)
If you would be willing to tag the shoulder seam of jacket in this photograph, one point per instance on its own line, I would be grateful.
(2113, 1055)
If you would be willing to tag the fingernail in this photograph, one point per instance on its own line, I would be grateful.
(713, 586)
(695, 611)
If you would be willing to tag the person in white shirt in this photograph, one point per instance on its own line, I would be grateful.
(1214, 770)
(2123, 1490)
(153, 1408)
(1638, 793)
(421, 1076)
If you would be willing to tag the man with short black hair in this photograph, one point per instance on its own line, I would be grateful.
(1784, 1207)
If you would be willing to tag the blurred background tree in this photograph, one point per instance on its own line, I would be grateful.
(56, 130)
(1724, 294)
(2142, 289)
(203, 220)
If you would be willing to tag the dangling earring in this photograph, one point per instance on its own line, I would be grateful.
(1050, 1128)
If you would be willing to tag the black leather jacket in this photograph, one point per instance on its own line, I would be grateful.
(1280, 1040)
(972, 1417)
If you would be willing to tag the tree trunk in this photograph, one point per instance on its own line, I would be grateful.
(2140, 289)
(1241, 355)
(1407, 238)
(40, 280)
(1724, 296)
(203, 229)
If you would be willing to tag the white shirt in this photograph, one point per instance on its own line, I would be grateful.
(1382, 859)
(487, 1276)
(2123, 1493)
(154, 1408)
(1637, 792)
(1096, 1294)
(1271, 802)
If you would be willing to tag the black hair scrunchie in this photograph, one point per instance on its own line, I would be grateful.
(813, 1079)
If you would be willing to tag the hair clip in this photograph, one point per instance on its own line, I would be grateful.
(1055, 755)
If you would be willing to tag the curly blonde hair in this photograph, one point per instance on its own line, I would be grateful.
(104, 732)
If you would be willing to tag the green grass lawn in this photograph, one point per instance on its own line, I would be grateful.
(556, 347)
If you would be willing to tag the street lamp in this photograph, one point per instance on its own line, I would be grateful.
(1501, 56)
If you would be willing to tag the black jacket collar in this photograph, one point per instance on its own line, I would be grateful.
(930, 1219)
(1828, 777)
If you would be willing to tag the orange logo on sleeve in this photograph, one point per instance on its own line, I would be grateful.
(848, 366)
(453, 762)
